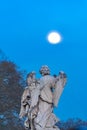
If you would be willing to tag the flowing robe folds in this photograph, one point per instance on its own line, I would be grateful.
(45, 118)
(44, 96)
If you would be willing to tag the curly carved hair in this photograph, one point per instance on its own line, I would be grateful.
(44, 70)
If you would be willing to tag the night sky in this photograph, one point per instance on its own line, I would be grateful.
(24, 26)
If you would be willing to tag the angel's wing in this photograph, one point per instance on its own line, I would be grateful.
(35, 97)
(59, 87)
(24, 101)
(25, 95)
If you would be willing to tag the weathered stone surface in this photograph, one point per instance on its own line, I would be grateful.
(39, 99)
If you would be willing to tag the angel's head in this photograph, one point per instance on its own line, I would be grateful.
(44, 70)
(30, 78)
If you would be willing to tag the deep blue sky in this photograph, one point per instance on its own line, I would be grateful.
(24, 25)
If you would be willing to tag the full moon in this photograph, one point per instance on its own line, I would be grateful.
(54, 37)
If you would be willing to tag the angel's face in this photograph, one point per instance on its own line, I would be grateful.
(29, 81)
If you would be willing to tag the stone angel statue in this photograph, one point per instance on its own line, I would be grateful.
(29, 100)
(41, 97)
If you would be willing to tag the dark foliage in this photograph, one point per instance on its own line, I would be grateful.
(72, 124)
(11, 89)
